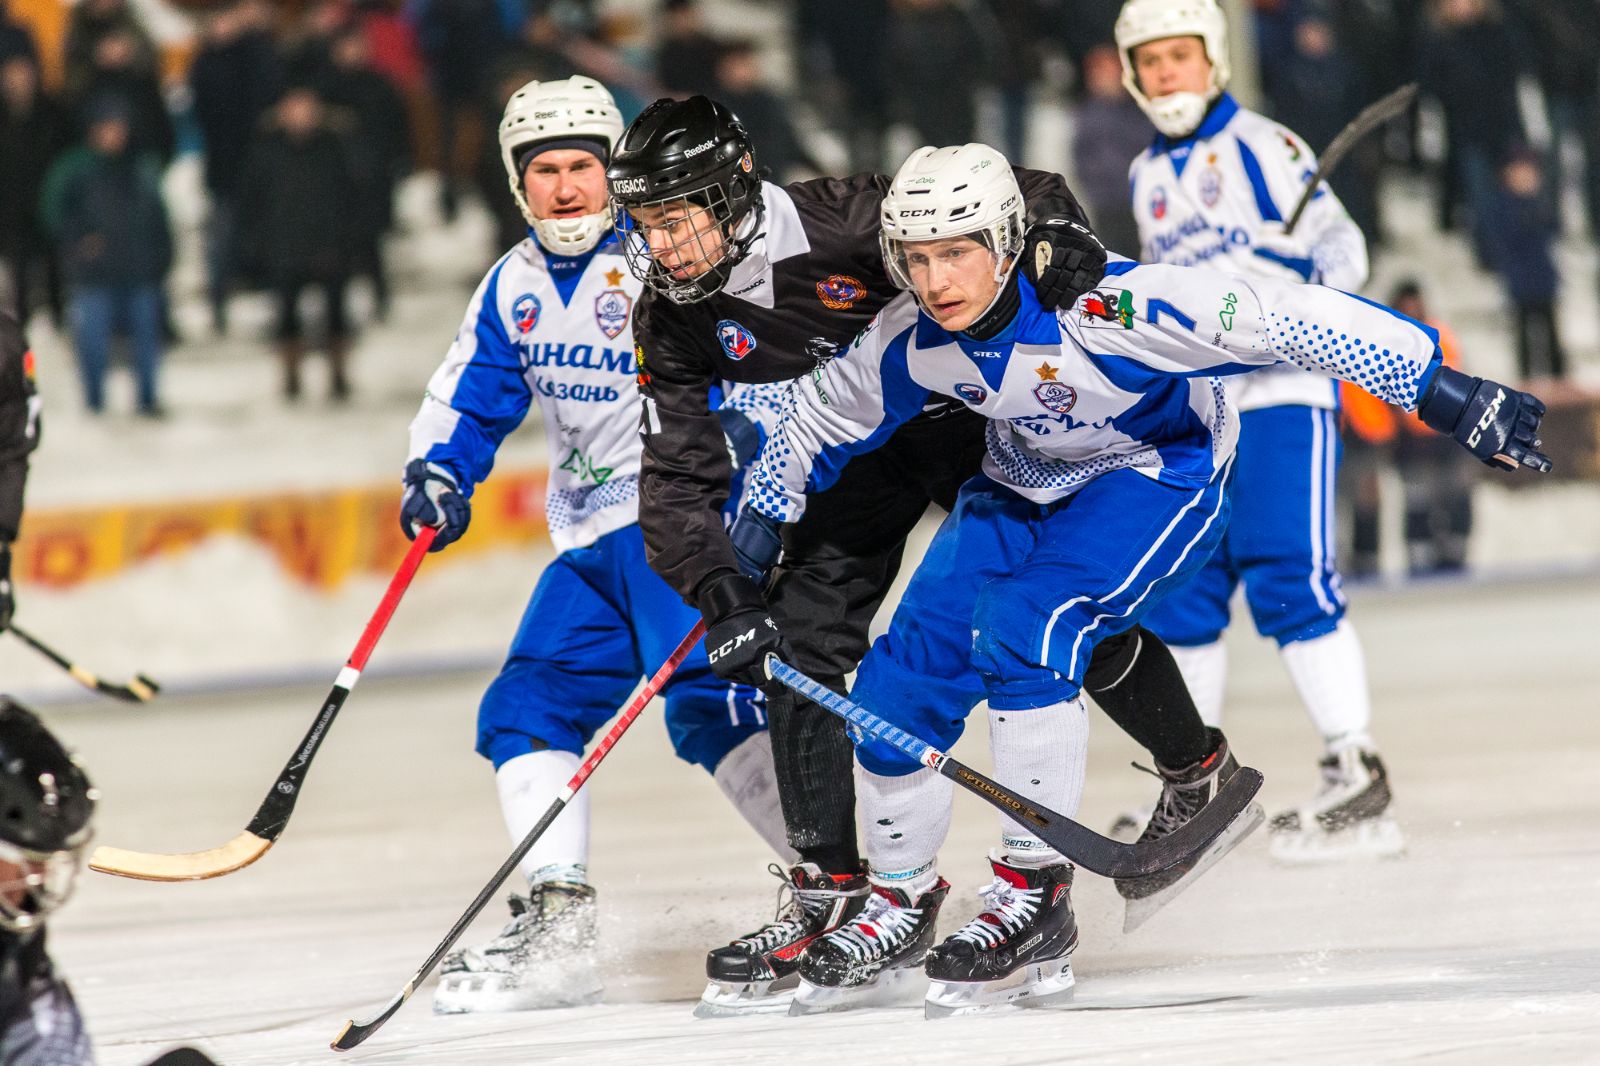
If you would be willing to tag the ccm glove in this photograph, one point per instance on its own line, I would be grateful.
(1063, 259)
(432, 499)
(757, 541)
(740, 633)
(1278, 255)
(1495, 422)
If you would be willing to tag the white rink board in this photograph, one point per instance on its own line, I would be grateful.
(1482, 946)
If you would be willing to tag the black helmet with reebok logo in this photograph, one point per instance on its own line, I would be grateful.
(688, 196)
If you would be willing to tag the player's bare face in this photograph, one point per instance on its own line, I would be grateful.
(565, 183)
(954, 279)
(1172, 65)
(685, 238)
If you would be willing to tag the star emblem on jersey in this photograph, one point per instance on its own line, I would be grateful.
(611, 310)
(613, 277)
(525, 312)
(1045, 371)
(737, 341)
(1054, 396)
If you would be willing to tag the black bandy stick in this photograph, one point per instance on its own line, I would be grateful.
(139, 690)
(355, 1032)
(1101, 855)
(273, 814)
(1371, 117)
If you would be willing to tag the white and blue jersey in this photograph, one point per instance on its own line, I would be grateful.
(1111, 447)
(559, 330)
(1201, 200)
(1129, 377)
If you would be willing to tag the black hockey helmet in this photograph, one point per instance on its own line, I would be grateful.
(688, 196)
(46, 805)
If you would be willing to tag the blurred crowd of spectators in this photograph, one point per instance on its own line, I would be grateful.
(309, 112)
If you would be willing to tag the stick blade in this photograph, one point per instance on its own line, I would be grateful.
(236, 854)
(355, 1032)
(1138, 911)
(1198, 834)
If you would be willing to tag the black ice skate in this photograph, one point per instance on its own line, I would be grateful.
(874, 959)
(759, 973)
(1348, 818)
(544, 958)
(1184, 793)
(1017, 951)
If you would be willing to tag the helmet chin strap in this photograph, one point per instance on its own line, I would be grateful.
(1001, 310)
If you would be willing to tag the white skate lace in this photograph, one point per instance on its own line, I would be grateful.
(791, 921)
(878, 931)
(1006, 909)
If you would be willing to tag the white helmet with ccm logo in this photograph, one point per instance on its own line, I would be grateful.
(967, 190)
(556, 112)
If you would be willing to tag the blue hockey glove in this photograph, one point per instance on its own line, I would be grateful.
(432, 499)
(757, 541)
(1063, 259)
(1495, 422)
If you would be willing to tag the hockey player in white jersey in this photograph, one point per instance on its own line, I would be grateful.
(1214, 190)
(1111, 442)
(552, 323)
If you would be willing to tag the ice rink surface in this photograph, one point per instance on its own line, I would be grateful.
(1482, 945)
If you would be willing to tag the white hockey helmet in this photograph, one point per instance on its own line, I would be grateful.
(571, 109)
(968, 190)
(1142, 21)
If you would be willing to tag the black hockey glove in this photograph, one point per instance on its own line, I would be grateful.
(740, 633)
(1063, 259)
(757, 542)
(1495, 422)
(432, 499)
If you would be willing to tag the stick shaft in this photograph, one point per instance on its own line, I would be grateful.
(354, 1033)
(1371, 117)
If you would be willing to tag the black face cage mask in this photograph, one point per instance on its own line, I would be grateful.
(700, 215)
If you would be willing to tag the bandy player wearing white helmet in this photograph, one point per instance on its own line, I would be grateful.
(1110, 443)
(552, 323)
(1214, 190)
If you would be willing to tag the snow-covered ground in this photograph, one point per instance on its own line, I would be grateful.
(1482, 945)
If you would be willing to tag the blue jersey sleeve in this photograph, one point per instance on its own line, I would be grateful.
(478, 395)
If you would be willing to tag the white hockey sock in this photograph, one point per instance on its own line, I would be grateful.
(1205, 670)
(1330, 673)
(528, 785)
(905, 820)
(1041, 754)
(746, 777)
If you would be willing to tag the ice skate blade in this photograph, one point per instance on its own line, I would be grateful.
(725, 999)
(489, 993)
(1041, 984)
(1375, 838)
(1139, 911)
(899, 987)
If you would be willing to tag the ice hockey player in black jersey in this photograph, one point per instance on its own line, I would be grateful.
(19, 435)
(46, 803)
(749, 281)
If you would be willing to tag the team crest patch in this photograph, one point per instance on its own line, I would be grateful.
(1106, 309)
(1158, 202)
(1054, 396)
(1210, 186)
(737, 341)
(973, 394)
(611, 309)
(839, 292)
(525, 312)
